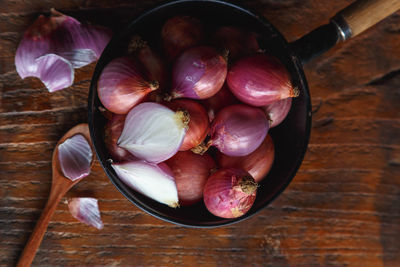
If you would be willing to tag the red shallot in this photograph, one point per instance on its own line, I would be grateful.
(112, 132)
(198, 73)
(180, 33)
(258, 163)
(238, 130)
(123, 84)
(222, 99)
(191, 172)
(152, 63)
(278, 111)
(198, 126)
(238, 41)
(229, 193)
(260, 80)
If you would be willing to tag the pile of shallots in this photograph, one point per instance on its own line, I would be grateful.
(190, 116)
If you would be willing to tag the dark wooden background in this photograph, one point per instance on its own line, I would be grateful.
(342, 208)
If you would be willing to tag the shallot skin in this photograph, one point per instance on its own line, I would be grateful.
(198, 73)
(229, 193)
(258, 163)
(238, 130)
(191, 172)
(260, 80)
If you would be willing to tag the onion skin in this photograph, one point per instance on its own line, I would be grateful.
(112, 132)
(198, 126)
(238, 130)
(180, 33)
(229, 193)
(278, 111)
(239, 42)
(123, 84)
(222, 99)
(75, 157)
(198, 73)
(258, 163)
(191, 172)
(260, 80)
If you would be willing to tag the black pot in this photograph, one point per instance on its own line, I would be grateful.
(290, 137)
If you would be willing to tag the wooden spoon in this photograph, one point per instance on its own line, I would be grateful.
(60, 186)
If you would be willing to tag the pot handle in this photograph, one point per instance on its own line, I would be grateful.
(347, 23)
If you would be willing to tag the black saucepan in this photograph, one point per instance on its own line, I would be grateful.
(290, 138)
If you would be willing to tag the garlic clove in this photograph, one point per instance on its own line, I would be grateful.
(63, 36)
(152, 180)
(86, 210)
(75, 156)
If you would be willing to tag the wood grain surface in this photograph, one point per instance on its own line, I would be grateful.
(342, 208)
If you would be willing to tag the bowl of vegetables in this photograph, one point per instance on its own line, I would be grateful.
(199, 113)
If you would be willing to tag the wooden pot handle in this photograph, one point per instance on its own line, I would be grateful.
(363, 14)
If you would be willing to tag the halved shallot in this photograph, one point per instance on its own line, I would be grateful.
(152, 180)
(153, 132)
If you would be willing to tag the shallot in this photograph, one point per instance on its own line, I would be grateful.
(222, 99)
(191, 172)
(238, 41)
(238, 130)
(198, 73)
(230, 193)
(112, 132)
(153, 132)
(260, 80)
(152, 63)
(123, 84)
(180, 33)
(277, 111)
(258, 163)
(152, 180)
(198, 126)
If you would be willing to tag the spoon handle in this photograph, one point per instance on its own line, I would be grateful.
(29, 252)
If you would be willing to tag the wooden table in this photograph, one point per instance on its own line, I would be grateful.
(342, 208)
